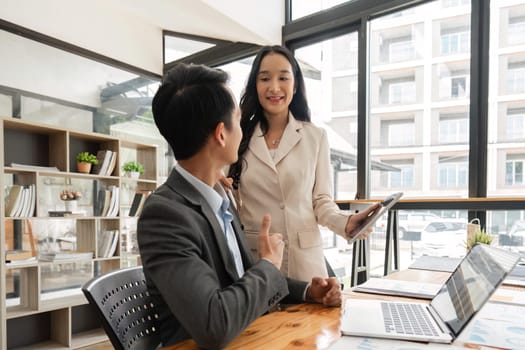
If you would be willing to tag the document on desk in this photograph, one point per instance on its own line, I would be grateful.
(401, 288)
(358, 343)
(497, 325)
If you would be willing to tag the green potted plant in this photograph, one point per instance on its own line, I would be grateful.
(133, 169)
(479, 237)
(84, 162)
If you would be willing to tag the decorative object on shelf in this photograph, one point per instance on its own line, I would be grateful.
(133, 169)
(84, 162)
(70, 199)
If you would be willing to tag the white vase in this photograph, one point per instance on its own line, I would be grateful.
(71, 206)
(134, 174)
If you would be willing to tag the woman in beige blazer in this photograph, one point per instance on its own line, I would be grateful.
(284, 166)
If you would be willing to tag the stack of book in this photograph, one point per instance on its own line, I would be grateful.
(107, 243)
(138, 203)
(65, 255)
(107, 161)
(21, 201)
(106, 202)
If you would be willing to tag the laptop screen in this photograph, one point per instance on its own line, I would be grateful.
(471, 284)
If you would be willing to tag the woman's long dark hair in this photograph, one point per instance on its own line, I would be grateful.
(252, 111)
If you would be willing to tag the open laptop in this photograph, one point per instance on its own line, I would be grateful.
(372, 218)
(465, 292)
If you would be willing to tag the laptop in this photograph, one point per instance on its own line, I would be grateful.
(465, 292)
(372, 218)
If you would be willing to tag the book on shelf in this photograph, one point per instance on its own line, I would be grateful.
(65, 255)
(32, 203)
(138, 203)
(33, 167)
(107, 243)
(100, 159)
(58, 213)
(114, 202)
(112, 164)
(24, 203)
(13, 200)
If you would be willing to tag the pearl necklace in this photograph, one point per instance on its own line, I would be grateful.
(275, 142)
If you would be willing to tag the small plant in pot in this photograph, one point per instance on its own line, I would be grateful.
(84, 162)
(479, 237)
(133, 169)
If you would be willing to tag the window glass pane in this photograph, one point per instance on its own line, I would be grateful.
(302, 8)
(506, 131)
(238, 72)
(176, 48)
(80, 94)
(419, 100)
(330, 71)
(6, 105)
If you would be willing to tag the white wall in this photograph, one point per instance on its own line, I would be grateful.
(131, 30)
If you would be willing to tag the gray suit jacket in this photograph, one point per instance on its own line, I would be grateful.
(191, 273)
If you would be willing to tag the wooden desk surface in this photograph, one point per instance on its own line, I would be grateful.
(309, 326)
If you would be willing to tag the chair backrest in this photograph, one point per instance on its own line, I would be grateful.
(123, 303)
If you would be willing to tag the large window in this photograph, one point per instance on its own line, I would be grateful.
(506, 132)
(416, 107)
(330, 71)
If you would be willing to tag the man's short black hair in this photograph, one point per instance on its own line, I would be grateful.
(189, 104)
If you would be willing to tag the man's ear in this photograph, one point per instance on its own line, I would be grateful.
(219, 134)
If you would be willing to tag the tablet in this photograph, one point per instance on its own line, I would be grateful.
(385, 206)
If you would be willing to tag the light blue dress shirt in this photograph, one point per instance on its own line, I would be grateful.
(219, 203)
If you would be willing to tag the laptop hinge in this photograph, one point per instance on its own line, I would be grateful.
(444, 327)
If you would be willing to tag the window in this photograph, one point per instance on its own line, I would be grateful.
(329, 69)
(515, 126)
(454, 81)
(452, 173)
(454, 3)
(344, 93)
(403, 178)
(238, 72)
(516, 77)
(516, 29)
(402, 92)
(178, 47)
(398, 133)
(6, 105)
(453, 129)
(458, 87)
(514, 169)
(402, 50)
(301, 8)
(455, 42)
(399, 179)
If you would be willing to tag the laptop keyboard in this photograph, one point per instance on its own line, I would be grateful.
(405, 318)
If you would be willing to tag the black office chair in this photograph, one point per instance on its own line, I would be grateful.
(123, 303)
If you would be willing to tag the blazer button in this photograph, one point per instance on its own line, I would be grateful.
(281, 205)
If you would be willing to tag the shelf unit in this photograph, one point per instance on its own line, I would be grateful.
(41, 305)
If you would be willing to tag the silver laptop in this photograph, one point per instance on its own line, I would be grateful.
(467, 289)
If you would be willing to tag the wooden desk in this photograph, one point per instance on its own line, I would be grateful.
(309, 326)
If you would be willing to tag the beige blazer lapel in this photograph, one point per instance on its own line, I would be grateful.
(259, 149)
(291, 136)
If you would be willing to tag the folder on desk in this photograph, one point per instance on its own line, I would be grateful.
(468, 288)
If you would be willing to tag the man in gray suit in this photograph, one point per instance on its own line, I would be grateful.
(196, 261)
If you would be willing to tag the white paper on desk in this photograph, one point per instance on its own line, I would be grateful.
(509, 296)
(358, 343)
(399, 288)
(497, 325)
